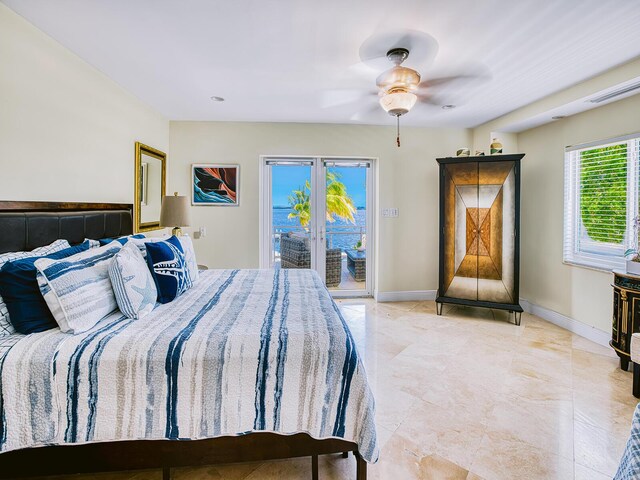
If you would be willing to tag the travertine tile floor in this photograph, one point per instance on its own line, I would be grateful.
(470, 396)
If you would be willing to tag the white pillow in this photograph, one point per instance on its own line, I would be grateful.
(132, 283)
(140, 242)
(189, 257)
(77, 289)
(6, 328)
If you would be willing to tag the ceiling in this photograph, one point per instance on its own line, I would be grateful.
(298, 60)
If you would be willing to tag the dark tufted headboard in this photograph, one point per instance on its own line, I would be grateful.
(27, 225)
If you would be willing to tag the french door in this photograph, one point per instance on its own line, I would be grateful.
(317, 212)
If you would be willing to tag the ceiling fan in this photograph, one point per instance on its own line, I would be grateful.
(398, 84)
(399, 88)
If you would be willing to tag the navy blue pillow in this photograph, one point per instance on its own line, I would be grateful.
(28, 312)
(168, 268)
(122, 240)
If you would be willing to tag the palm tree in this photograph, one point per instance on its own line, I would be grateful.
(339, 203)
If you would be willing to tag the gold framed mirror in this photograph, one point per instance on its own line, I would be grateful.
(149, 187)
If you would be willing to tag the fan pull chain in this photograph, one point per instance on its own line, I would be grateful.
(398, 130)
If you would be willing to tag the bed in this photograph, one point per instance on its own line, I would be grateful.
(247, 365)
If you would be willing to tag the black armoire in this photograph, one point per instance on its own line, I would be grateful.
(480, 232)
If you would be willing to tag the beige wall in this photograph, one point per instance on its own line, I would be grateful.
(67, 132)
(408, 180)
(579, 293)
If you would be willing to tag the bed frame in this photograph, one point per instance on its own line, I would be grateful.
(27, 225)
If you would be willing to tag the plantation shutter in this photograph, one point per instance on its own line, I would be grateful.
(601, 202)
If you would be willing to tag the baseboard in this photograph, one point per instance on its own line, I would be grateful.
(405, 296)
(587, 331)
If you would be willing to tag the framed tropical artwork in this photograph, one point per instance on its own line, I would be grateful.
(214, 184)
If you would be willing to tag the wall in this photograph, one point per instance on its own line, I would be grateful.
(579, 293)
(67, 132)
(408, 179)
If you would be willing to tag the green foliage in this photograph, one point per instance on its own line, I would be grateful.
(603, 187)
(339, 203)
(300, 204)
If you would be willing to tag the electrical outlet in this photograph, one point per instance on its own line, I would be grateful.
(202, 232)
(389, 212)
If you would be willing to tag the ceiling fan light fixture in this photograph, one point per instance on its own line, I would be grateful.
(398, 103)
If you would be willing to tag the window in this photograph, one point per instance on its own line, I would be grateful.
(601, 202)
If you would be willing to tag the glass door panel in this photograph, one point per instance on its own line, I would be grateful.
(291, 214)
(345, 226)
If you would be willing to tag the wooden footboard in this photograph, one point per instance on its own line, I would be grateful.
(165, 454)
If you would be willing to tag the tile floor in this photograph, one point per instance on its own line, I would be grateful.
(470, 396)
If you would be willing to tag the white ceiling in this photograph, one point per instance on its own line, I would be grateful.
(292, 60)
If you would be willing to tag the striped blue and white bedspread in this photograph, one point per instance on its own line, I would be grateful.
(242, 351)
(629, 468)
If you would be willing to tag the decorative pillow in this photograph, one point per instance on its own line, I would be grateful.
(189, 256)
(28, 311)
(92, 243)
(5, 324)
(142, 242)
(122, 240)
(168, 268)
(132, 282)
(77, 289)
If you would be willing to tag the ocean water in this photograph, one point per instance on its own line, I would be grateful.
(340, 234)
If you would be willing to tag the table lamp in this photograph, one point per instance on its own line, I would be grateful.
(175, 212)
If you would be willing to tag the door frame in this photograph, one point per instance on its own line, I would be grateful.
(318, 211)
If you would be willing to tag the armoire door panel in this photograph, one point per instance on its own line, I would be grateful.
(463, 242)
(495, 277)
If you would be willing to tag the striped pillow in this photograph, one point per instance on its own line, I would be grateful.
(6, 328)
(124, 239)
(77, 289)
(132, 282)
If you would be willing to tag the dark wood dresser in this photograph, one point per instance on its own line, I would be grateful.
(626, 314)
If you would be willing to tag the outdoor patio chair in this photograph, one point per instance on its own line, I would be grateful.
(295, 253)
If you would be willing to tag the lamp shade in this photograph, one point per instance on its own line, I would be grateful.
(175, 211)
(398, 103)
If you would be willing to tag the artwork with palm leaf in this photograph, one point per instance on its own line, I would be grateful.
(214, 184)
(339, 203)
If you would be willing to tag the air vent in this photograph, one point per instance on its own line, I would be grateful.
(616, 93)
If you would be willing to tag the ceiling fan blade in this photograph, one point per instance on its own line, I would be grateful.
(422, 48)
(472, 74)
(365, 114)
(337, 97)
(427, 99)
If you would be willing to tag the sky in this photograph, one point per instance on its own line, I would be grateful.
(285, 178)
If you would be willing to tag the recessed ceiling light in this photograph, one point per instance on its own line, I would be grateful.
(557, 117)
(217, 99)
(448, 107)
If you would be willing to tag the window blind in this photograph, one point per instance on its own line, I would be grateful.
(601, 202)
